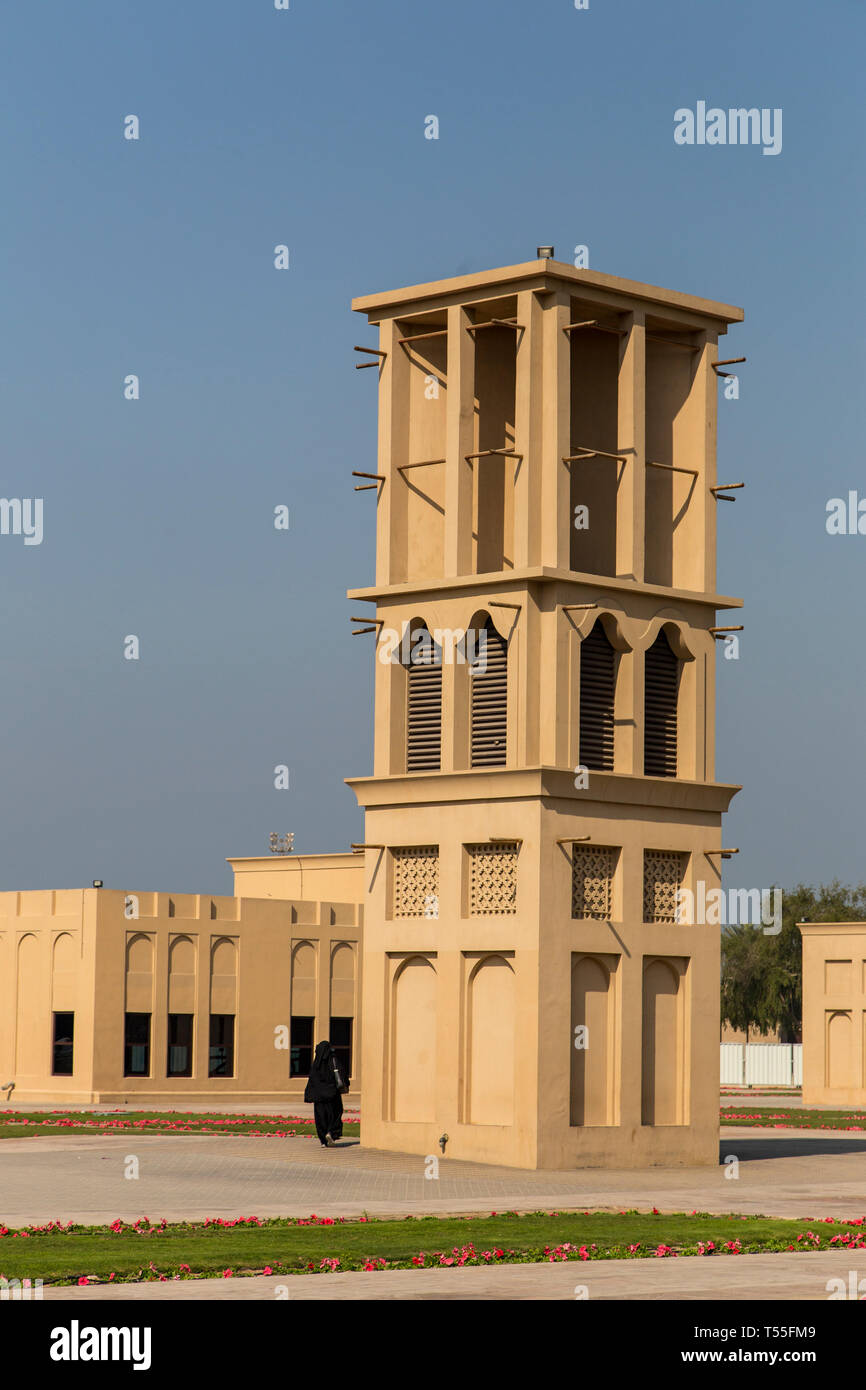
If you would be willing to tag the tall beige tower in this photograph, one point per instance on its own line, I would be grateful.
(544, 764)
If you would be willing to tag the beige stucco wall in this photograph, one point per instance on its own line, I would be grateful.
(313, 877)
(235, 956)
(528, 1038)
(34, 928)
(834, 1013)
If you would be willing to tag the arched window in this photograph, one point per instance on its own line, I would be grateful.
(488, 676)
(423, 704)
(661, 682)
(597, 691)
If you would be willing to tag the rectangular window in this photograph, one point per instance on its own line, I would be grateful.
(64, 1034)
(663, 874)
(221, 1057)
(136, 1045)
(341, 1041)
(301, 1047)
(180, 1045)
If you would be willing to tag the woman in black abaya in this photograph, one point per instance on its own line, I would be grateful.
(323, 1089)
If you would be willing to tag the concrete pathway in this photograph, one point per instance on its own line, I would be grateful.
(790, 1173)
(767, 1278)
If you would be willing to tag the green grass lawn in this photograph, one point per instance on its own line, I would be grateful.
(17, 1124)
(794, 1119)
(286, 1246)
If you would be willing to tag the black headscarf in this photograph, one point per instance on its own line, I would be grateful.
(321, 1085)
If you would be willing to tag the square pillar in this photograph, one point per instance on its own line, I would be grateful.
(393, 452)
(631, 441)
(528, 429)
(556, 520)
(459, 435)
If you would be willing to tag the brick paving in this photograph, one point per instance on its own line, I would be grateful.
(190, 1177)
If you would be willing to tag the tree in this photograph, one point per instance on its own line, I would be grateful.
(832, 902)
(743, 977)
(762, 975)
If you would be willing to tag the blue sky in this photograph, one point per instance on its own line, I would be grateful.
(306, 127)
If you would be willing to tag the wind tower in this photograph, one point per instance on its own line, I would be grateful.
(546, 484)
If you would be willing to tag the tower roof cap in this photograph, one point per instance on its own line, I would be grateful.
(544, 274)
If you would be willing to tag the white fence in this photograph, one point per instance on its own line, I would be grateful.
(761, 1064)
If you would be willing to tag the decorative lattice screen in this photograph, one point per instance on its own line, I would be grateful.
(416, 881)
(592, 869)
(492, 879)
(663, 872)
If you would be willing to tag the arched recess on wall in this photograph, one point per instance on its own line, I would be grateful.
(487, 676)
(30, 1047)
(413, 1041)
(223, 976)
(181, 957)
(491, 1004)
(841, 1060)
(592, 1007)
(181, 976)
(303, 980)
(64, 974)
(139, 974)
(224, 957)
(64, 955)
(663, 1077)
(139, 955)
(342, 981)
(421, 659)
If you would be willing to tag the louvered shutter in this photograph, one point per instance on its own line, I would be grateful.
(490, 704)
(424, 711)
(661, 677)
(597, 693)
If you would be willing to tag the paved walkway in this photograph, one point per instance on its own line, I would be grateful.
(794, 1173)
(731, 1278)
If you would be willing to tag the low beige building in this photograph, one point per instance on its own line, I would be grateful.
(834, 1013)
(139, 997)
